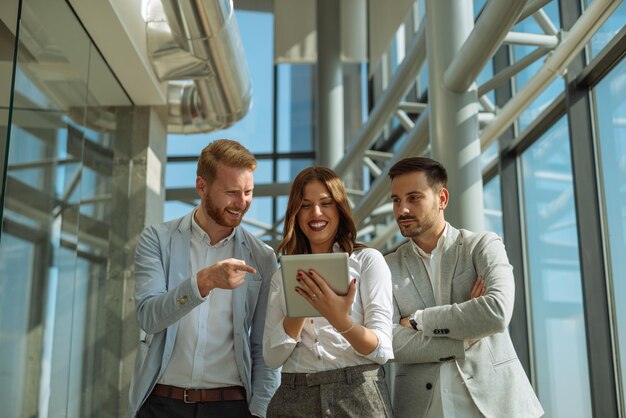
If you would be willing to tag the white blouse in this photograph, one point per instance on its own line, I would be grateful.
(320, 347)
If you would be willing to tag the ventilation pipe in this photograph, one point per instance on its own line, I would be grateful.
(195, 46)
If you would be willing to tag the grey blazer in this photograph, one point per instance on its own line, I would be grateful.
(164, 294)
(492, 373)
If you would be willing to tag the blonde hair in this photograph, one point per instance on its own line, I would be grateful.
(223, 151)
(294, 241)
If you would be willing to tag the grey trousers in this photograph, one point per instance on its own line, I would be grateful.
(351, 392)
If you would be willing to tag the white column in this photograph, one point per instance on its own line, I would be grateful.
(454, 116)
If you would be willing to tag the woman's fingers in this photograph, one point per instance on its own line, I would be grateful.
(313, 280)
(308, 286)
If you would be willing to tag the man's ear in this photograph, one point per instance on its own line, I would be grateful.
(443, 196)
(201, 186)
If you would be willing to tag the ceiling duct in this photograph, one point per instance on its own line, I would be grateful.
(195, 46)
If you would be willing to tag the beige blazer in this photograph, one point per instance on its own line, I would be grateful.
(493, 375)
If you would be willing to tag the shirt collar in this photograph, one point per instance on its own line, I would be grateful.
(440, 242)
(201, 235)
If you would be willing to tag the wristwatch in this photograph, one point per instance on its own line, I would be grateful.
(413, 322)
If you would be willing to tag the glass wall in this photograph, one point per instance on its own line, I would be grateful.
(610, 115)
(558, 324)
(492, 204)
(546, 97)
(54, 241)
(8, 26)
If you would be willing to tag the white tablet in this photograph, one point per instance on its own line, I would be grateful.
(331, 266)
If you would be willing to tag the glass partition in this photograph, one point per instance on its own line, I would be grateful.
(54, 241)
(610, 114)
(556, 301)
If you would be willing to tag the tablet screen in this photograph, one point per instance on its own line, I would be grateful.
(333, 267)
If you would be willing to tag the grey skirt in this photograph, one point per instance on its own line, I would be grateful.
(358, 392)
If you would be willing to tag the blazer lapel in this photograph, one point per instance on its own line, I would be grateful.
(239, 294)
(180, 251)
(419, 275)
(449, 260)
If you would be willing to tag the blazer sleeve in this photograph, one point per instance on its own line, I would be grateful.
(410, 346)
(264, 379)
(485, 315)
(158, 307)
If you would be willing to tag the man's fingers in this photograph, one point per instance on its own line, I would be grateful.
(478, 288)
(239, 265)
(246, 268)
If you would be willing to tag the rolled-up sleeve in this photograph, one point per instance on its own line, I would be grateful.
(377, 300)
(277, 345)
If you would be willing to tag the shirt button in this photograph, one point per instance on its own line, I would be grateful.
(319, 357)
(429, 386)
(312, 321)
(316, 340)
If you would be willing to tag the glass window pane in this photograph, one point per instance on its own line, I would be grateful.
(610, 100)
(57, 209)
(489, 155)
(546, 97)
(296, 107)
(492, 203)
(289, 168)
(609, 29)
(558, 323)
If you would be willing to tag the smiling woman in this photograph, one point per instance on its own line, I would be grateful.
(352, 339)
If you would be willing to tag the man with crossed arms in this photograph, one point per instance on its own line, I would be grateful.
(455, 357)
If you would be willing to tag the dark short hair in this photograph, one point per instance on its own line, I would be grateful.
(436, 173)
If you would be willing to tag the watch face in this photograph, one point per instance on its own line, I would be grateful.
(413, 323)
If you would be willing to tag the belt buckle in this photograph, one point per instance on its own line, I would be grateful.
(185, 397)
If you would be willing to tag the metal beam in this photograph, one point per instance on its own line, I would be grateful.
(573, 42)
(454, 114)
(189, 193)
(531, 8)
(404, 120)
(532, 39)
(545, 23)
(398, 86)
(416, 143)
(510, 71)
(410, 107)
(495, 21)
(330, 135)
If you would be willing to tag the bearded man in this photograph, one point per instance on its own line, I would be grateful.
(450, 340)
(201, 290)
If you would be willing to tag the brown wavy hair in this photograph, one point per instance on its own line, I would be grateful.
(294, 241)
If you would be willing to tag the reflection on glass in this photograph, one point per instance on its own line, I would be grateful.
(558, 324)
(296, 107)
(289, 168)
(489, 155)
(608, 30)
(54, 241)
(546, 97)
(485, 75)
(492, 203)
(610, 101)
(259, 216)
